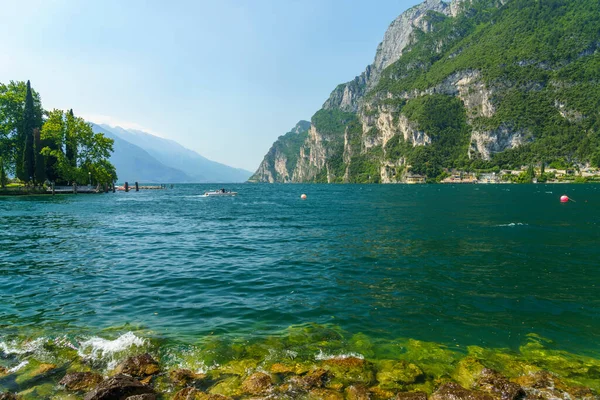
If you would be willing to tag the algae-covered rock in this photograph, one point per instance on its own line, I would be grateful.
(544, 385)
(118, 387)
(230, 387)
(314, 379)
(467, 372)
(350, 370)
(8, 396)
(397, 374)
(433, 358)
(378, 393)
(573, 368)
(362, 344)
(139, 366)
(498, 385)
(189, 393)
(34, 372)
(238, 367)
(325, 394)
(292, 368)
(411, 396)
(43, 391)
(3, 371)
(182, 377)
(257, 383)
(453, 391)
(80, 381)
(357, 392)
(146, 396)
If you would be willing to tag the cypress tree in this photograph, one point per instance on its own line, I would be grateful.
(71, 142)
(3, 177)
(28, 127)
(40, 162)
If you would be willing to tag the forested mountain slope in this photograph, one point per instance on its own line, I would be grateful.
(465, 85)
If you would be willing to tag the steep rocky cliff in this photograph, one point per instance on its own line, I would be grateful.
(471, 84)
(280, 161)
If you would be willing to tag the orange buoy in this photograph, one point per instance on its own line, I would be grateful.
(303, 196)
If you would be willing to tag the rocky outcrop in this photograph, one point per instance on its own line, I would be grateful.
(257, 383)
(118, 387)
(140, 366)
(453, 391)
(80, 381)
(484, 143)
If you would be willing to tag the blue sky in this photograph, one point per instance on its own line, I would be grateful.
(224, 78)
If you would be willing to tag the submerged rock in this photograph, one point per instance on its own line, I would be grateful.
(499, 386)
(80, 381)
(184, 377)
(350, 370)
(139, 366)
(314, 379)
(118, 387)
(453, 391)
(397, 374)
(467, 371)
(239, 367)
(325, 394)
(146, 396)
(230, 387)
(257, 383)
(411, 396)
(378, 393)
(357, 392)
(544, 385)
(287, 369)
(8, 396)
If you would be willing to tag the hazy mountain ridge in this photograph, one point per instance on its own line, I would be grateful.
(182, 163)
(134, 164)
(467, 84)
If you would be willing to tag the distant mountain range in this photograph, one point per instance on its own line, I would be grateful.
(142, 157)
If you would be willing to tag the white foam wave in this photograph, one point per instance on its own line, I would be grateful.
(18, 367)
(97, 348)
(26, 347)
(512, 224)
(324, 356)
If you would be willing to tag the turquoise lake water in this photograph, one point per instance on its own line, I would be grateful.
(458, 265)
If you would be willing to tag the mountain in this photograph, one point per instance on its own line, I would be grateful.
(134, 164)
(172, 154)
(283, 156)
(470, 84)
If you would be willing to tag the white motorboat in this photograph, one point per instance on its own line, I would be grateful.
(220, 193)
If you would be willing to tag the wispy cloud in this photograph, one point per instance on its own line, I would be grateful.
(114, 122)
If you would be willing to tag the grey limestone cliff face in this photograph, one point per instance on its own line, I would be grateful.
(397, 38)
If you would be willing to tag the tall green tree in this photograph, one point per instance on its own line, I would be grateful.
(3, 176)
(71, 139)
(40, 161)
(12, 139)
(93, 149)
(29, 124)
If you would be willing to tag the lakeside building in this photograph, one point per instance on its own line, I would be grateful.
(413, 179)
(489, 178)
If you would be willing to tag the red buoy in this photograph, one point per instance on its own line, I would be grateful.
(564, 198)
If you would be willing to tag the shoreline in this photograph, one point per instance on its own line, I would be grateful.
(310, 361)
